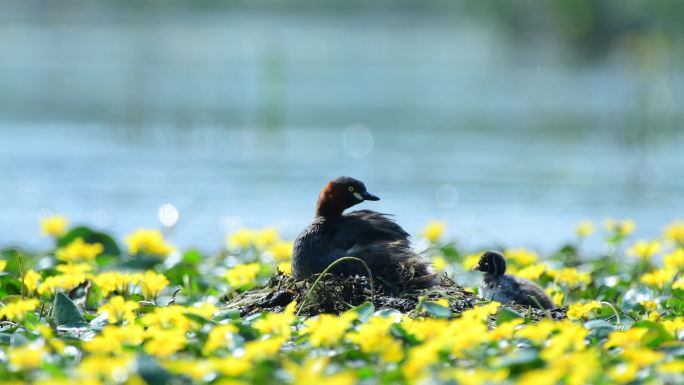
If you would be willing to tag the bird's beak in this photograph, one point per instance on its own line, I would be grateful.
(368, 196)
(476, 267)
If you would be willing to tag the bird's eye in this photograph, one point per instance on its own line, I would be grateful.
(350, 188)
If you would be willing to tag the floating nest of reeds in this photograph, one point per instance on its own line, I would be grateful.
(335, 294)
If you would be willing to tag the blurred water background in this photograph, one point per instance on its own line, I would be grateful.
(510, 120)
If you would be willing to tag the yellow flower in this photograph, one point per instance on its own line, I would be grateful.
(281, 251)
(196, 369)
(242, 275)
(481, 313)
(242, 239)
(267, 237)
(674, 326)
(658, 278)
(65, 282)
(118, 309)
(27, 357)
(168, 317)
(620, 228)
(312, 373)
(521, 257)
(3, 264)
(585, 229)
(556, 295)
(630, 337)
(31, 279)
(645, 249)
(77, 250)
(673, 367)
(375, 337)
(471, 260)
(570, 338)
(439, 263)
(231, 366)
(420, 358)
(674, 260)
(16, 311)
(469, 331)
(546, 376)
(434, 230)
(54, 226)
(74, 268)
(328, 329)
(114, 338)
(94, 367)
(653, 316)
(424, 329)
(649, 305)
(442, 302)
(56, 344)
(148, 242)
(538, 332)
(581, 310)
(570, 277)
(285, 268)
(641, 357)
(506, 329)
(152, 284)
(479, 376)
(114, 281)
(277, 323)
(679, 283)
(675, 232)
(163, 343)
(531, 272)
(257, 350)
(220, 336)
(203, 309)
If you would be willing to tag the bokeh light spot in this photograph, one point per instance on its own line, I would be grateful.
(357, 141)
(168, 214)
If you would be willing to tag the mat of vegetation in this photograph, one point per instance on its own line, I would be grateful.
(88, 312)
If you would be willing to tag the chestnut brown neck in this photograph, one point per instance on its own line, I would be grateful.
(330, 204)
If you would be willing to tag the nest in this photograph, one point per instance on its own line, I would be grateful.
(335, 294)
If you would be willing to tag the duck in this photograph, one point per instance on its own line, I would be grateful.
(373, 237)
(499, 286)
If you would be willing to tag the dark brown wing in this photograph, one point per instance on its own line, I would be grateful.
(366, 227)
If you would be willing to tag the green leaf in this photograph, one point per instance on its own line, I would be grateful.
(141, 262)
(656, 335)
(506, 314)
(65, 311)
(675, 305)
(105, 259)
(198, 318)
(150, 370)
(31, 320)
(192, 257)
(599, 328)
(227, 314)
(389, 313)
(365, 311)
(522, 359)
(437, 310)
(176, 274)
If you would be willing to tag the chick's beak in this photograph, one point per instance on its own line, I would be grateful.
(476, 267)
(369, 197)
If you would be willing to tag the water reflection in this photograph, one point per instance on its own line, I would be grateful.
(239, 116)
